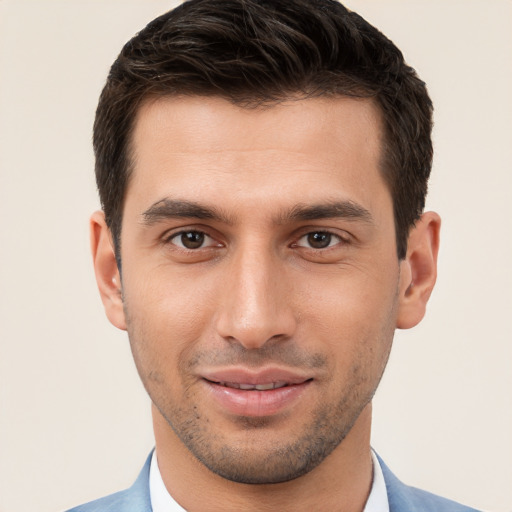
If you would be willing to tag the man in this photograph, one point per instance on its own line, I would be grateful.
(262, 167)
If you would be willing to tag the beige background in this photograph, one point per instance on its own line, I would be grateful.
(74, 420)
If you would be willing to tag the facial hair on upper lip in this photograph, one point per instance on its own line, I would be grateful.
(286, 355)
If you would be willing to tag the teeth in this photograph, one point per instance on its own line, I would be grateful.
(249, 387)
(263, 387)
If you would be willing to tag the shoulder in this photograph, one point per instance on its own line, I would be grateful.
(403, 498)
(115, 502)
(427, 502)
(134, 499)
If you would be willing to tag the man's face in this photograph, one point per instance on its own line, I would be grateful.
(260, 276)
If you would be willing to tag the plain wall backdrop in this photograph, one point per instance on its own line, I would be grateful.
(74, 419)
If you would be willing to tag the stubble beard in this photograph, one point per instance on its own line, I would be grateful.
(324, 432)
(288, 460)
(281, 463)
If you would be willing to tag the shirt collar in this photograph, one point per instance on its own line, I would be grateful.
(162, 501)
(378, 499)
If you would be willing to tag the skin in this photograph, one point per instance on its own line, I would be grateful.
(257, 239)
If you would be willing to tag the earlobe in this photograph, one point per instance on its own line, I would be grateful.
(106, 270)
(418, 271)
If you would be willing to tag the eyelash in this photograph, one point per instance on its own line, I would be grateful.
(324, 233)
(170, 239)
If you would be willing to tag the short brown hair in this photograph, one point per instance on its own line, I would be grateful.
(255, 52)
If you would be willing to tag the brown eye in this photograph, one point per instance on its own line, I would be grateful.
(319, 240)
(191, 239)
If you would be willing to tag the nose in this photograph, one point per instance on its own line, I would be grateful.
(255, 306)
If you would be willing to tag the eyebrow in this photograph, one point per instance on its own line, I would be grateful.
(336, 209)
(181, 209)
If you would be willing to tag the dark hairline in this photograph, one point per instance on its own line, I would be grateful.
(320, 49)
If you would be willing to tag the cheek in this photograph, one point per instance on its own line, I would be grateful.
(165, 299)
(166, 317)
(354, 315)
(350, 296)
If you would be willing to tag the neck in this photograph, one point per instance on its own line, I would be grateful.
(341, 482)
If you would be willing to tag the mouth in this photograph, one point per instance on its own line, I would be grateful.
(251, 387)
(266, 393)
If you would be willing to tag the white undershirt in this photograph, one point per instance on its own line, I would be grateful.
(162, 501)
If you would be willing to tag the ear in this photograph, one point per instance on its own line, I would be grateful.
(418, 271)
(108, 277)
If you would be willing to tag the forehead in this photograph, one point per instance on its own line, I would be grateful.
(201, 146)
(193, 122)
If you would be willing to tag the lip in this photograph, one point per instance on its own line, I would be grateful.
(224, 387)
